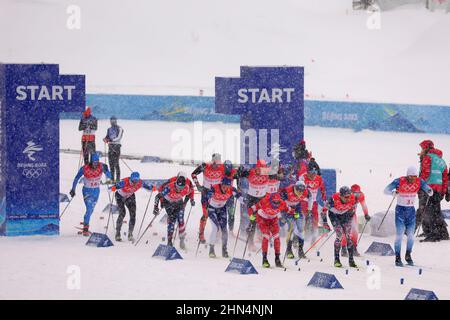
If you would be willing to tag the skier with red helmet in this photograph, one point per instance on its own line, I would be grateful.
(266, 213)
(361, 199)
(88, 124)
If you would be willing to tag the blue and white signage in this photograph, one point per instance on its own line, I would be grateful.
(31, 98)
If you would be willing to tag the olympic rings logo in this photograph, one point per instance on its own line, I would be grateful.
(33, 173)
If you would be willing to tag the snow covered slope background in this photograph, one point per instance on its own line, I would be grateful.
(178, 46)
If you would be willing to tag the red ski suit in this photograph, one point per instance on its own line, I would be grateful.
(267, 215)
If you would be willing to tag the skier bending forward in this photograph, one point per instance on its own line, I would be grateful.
(266, 213)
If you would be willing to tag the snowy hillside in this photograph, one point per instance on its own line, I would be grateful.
(178, 47)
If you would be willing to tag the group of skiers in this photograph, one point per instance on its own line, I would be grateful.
(275, 195)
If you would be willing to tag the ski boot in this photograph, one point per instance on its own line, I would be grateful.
(86, 232)
(201, 238)
(301, 253)
(289, 253)
(408, 258)
(352, 263)
(265, 262)
(398, 261)
(182, 244)
(225, 252)
(337, 263)
(278, 261)
(169, 242)
(344, 252)
(118, 237)
(212, 254)
(130, 236)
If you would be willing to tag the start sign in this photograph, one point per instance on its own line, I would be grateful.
(270, 102)
(31, 98)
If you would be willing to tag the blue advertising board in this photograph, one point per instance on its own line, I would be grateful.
(270, 102)
(31, 98)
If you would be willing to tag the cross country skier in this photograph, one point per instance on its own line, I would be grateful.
(258, 181)
(360, 198)
(213, 173)
(406, 189)
(230, 173)
(113, 139)
(294, 195)
(314, 183)
(88, 124)
(91, 190)
(218, 196)
(341, 209)
(265, 212)
(171, 198)
(125, 196)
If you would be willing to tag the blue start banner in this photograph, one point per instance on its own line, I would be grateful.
(270, 102)
(31, 98)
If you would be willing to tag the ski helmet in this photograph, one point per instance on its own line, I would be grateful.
(275, 199)
(261, 163)
(412, 171)
(180, 183)
(426, 144)
(135, 177)
(356, 188)
(95, 157)
(182, 174)
(300, 186)
(228, 167)
(345, 191)
(216, 158)
(311, 169)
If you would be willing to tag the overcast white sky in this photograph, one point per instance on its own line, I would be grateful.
(179, 46)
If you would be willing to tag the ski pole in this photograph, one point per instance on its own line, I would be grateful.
(423, 213)
(145, 212)
(364, 228)
(387, 211)
(65, 208)
(314, 244)
(110, 213)
(149, 225)
(81, 157)
(126, 165)
(328, 238)
(248, 238)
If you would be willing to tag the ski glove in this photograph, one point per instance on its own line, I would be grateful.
(296, 215)
(252, 218)
(155, 211)
(394, 192)
(367, 217)
(192, 202)
(72, 193)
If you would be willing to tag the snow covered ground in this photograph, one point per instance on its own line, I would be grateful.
(42, 267)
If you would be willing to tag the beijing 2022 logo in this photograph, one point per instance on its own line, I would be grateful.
(32, 170)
